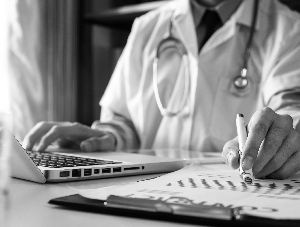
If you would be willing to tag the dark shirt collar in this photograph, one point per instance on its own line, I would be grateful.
(225, 10)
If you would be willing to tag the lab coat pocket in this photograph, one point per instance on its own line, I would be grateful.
(228, 102)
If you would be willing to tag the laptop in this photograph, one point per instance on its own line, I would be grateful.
(61, 165)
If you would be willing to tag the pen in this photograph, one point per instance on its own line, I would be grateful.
(246, 175)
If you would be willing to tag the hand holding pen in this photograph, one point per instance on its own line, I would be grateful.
(246, 174)
(272, 148)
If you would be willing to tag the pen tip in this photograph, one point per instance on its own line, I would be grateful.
(240, 115)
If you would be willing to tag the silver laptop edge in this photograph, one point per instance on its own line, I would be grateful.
(23, 167)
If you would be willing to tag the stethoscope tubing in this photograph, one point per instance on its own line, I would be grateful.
(240, 82)
(249, 43)
(181, 48)
(184, 99)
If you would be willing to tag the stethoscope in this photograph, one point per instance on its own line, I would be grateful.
(240, 82)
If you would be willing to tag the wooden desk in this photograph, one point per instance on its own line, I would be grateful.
(28, 205)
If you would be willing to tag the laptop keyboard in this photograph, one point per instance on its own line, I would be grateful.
(50, 160)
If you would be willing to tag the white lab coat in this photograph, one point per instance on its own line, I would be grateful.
(273, 69)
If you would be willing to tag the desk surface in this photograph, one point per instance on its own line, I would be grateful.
(28, 205)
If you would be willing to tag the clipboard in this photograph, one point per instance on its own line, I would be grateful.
(159, 210)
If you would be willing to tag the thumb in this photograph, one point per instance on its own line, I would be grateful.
(103, 143)
(230, 153)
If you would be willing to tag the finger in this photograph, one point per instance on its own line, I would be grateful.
(103, 143)
(66, 143)
(277, 134)
(260, 123)
(72, 131)
(288, 168)
(35, 134)
(56, 132)
(289, 146)
(230, 153)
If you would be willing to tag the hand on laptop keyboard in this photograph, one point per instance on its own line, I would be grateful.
(68, 134)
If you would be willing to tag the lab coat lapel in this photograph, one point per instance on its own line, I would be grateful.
(243, 16)
(220, 36)
(185, 27)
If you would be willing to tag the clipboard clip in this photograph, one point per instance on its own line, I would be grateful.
(148, 205)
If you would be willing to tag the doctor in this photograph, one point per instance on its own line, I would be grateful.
(189, 98)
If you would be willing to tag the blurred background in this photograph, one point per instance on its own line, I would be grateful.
(59, 55)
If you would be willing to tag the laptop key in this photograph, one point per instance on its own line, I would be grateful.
(47, 159)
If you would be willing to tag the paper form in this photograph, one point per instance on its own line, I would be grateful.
(277, 199)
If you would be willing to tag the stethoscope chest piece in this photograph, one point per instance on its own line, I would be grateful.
(241, 84)
(241, 81)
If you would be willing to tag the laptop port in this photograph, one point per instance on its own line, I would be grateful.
(64, 173)
(87, 172)
(117, 170)
(96, 171)
(131, 168)
(106, 170)
(76, 173)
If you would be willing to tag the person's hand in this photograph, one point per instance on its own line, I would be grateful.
(67, 134)
(272, 148)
